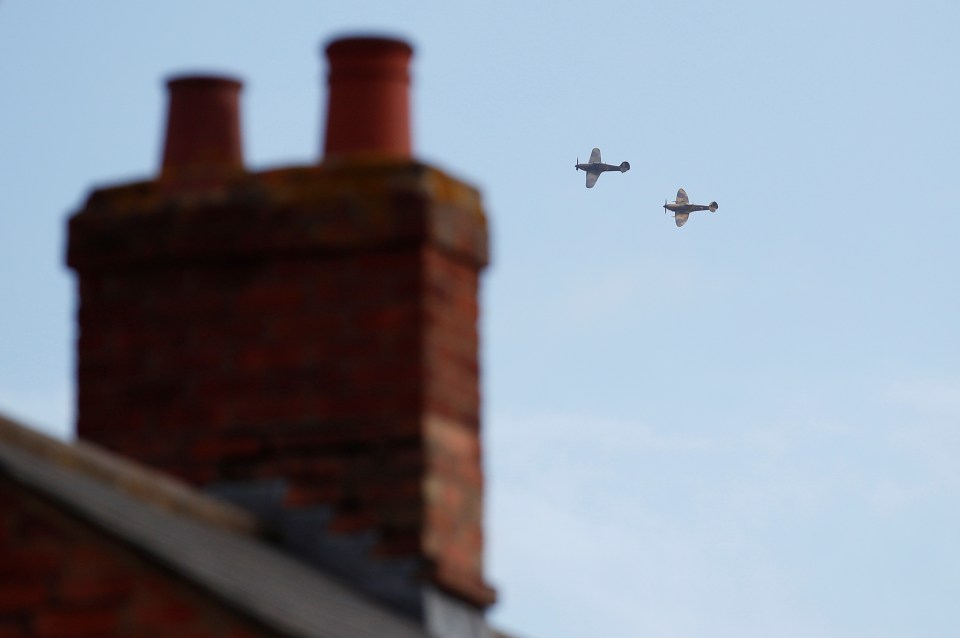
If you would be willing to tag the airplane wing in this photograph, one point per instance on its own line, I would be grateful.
(595, 156)
(592, 179)
(682, 198)
(681, 218)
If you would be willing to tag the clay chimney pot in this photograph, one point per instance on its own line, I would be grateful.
(369, 106)
(203, 125)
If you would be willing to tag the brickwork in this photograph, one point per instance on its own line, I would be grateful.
(317, 325)
(60, 578)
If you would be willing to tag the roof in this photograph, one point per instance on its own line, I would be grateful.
(213, 544)
(128, 477)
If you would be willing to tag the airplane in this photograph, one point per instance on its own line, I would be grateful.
(682, 208)
(594, 167)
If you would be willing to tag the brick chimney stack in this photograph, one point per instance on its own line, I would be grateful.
(312, 330)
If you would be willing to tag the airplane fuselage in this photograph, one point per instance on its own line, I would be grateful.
(598, 167)
(684, 208)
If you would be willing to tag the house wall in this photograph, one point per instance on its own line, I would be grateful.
(62, 578)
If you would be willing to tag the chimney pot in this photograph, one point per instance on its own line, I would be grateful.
(369, 107)
(203, 125)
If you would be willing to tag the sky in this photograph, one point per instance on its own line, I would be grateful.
(744, 427)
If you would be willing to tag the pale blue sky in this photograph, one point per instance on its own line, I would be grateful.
(745, 427)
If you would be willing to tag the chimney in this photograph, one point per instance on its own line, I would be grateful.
(369, 108)
(203, 126)
(303, 340)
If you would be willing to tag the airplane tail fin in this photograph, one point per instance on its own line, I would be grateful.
(713, 207)
(624, 167)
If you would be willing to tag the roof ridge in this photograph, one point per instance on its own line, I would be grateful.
(138, 481)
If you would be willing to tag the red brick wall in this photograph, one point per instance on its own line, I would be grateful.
(61, 578)
(222, 371)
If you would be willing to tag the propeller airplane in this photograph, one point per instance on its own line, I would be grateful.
(682, 208)
(594, 167)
